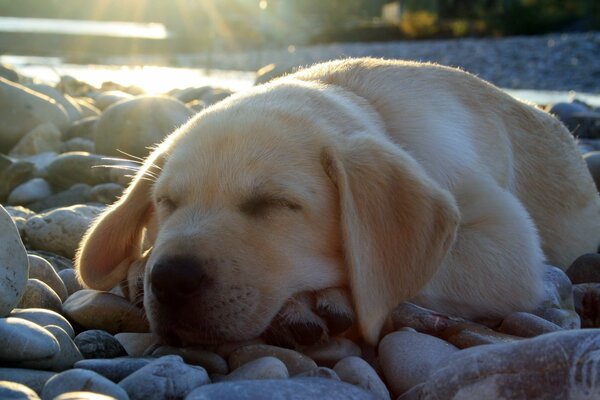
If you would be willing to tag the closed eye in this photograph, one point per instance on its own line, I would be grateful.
(166, 203)
(258, 206)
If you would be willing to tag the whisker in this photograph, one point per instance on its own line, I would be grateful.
(131, 155)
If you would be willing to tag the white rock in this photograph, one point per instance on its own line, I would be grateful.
(81, 379)
(22, 340)
(33, 190)
(14, 267)
(409, 358)
(60, 230)
(166, 378)
(358, 372)
(43, 138)
(71, 106)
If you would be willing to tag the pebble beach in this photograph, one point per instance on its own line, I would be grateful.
(68, 148)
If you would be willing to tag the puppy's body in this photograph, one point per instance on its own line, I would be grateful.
(397, 180)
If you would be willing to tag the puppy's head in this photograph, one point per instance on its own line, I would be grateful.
(264, 197)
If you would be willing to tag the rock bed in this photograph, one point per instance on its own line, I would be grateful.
(58, 339)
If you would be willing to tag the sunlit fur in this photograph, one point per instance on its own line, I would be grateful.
(408, 181)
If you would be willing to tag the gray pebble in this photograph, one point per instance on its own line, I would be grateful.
(14, 267)
(31, 378)
(167, 377)
(39, 295)
(43, 317)
(358, 372)
(211, 362)
(22, 340)
(99, 344)
(295, 362)
(319, 372)
(81, 379)
(329, 353)
(40, 268)
(261, 368)
(64, 359)
(69, 278)
(115, 369)
(16, 391)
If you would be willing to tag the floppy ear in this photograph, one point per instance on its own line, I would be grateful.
(397, 225)
(114, 240)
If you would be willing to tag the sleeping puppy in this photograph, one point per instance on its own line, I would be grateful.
(345, 189)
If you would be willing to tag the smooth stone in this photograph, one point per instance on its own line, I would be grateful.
(64, 359)
(17, 391)
(261, 368)
(69, 278)
(39, 295)
(23, 110)
(358, 372)
(43, 138)
(136, 343)
(106, 193)
(166, 378)
(14, 266)
(281, 389)
(12, 175)
(526, 325)
(43, 317)
(80, 395)
(77, 144)
(93, 309)
(557, 365)
(96, 343)
(132, 126)
(471, 334)
(211, 362)
(58, 262)
(566, 319)
(83, 128)
(558, 289)
(79, 193)
(60, 230)
(329, 353)
(585, 269)
(40, 268)
(592, 159)
(28, 192)
(31, 378)
(225, 349)
(71, 107)
(106, 99)
(295, 362)
(22, 340)
(422, 319)
(81, 380)
(68, 169)
(319, 372)
(409, 358)
(587, 304)
(115, 369)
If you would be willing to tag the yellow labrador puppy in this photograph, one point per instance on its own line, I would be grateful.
(386, 180)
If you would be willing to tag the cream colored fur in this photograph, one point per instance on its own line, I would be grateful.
(396, 180)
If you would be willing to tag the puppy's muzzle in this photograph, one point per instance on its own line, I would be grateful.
(175, 280)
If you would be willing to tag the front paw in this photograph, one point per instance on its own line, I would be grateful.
(311, 317)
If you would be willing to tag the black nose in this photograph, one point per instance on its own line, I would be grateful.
(176, 279)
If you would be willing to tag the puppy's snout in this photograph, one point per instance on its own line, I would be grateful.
(176, 279)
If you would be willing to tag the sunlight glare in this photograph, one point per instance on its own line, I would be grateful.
(262, 4)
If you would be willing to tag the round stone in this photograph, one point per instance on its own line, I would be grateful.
(106, 99)
(99, 344)
(69, 278)
(17, 391)
(93, 309)
(136, 344)
(281, 389)
(64, 359)
(79, 395)
(23, 109)
(40, 268)
(358, 372)
(71, 107)
(43, 317)
(39, 295)
(60, 230)
(32, 378)
(41, 139)
(33, 190)
(166, 378)
(81, 379)
(106, 193)
(526, 325)
(295, 362)
(261, 368)
(21, 340)
(115, 369)
(319, 372)
(132, 126)
(409, 358)
(211, 362)
(14, 267)
(76, 194)
(585, 269)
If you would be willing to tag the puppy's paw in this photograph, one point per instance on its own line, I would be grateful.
(308, 318)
